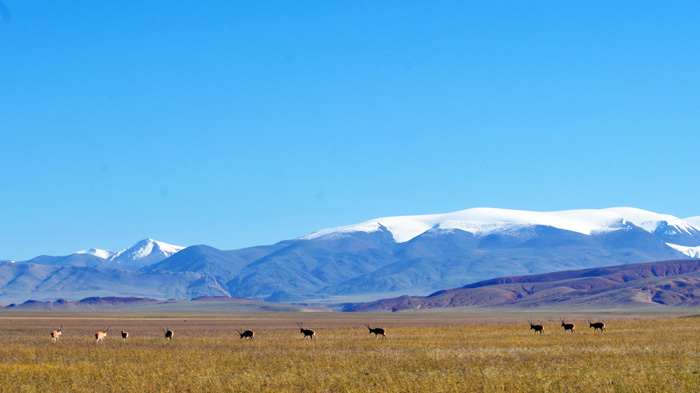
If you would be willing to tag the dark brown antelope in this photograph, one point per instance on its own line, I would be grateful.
(377, 331)
(568, 327)
(537, 328)
(249, 334)
(56, 334)
(168, 334)
(125, 335)
(100, 336)
(306, 332)
(596, 326)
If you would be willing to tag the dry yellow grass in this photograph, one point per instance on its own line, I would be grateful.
(423, 353)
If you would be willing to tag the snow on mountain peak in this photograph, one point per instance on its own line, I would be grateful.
(104, 254)
(482, 221)
(693, 252)
(694, 221)
(142, 253)
(649, 221)
(144, 249)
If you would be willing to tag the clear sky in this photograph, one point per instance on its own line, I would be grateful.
(241, 123)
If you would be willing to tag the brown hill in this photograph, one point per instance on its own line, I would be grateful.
(654, 285)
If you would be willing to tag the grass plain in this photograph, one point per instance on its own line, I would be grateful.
(424, 352)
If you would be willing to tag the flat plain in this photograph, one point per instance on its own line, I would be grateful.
(423, 352)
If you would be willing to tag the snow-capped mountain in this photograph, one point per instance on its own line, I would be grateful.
(144, 253)
(679, 234)
(104, 254)
(672, 230)
(484, 221)
(426, 252)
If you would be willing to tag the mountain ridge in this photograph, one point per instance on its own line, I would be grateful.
(142, 253)
(483, 221)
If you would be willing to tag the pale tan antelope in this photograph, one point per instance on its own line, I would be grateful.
(125, 335)
(168, 334)
(537, 328)
(377, 331)
(306, 332)
(56, 334)
(100, 336)
(568, 327)
(249, 334)
(596, 326)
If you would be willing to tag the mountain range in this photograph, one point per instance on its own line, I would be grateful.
(385, 257)
(142, 304)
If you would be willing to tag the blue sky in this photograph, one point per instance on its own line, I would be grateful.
(243, 123)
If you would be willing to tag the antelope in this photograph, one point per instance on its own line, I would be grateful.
(56, 334)
(247, 334)
(168, 334)
(568, 327)
(377, 331)
(125, 335)
(306, 332)
(100, 336)
(596, 326)
(537, 328)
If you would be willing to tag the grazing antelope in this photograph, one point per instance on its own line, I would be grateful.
(537, 328)
(568, 327)
(56, 334)
(377, 331)
(306, 332)
(168, 334)
(125, 335)
(247, 334)
(596, 326)
(100, 336)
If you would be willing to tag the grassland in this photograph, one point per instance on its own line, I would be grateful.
(440, 352)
